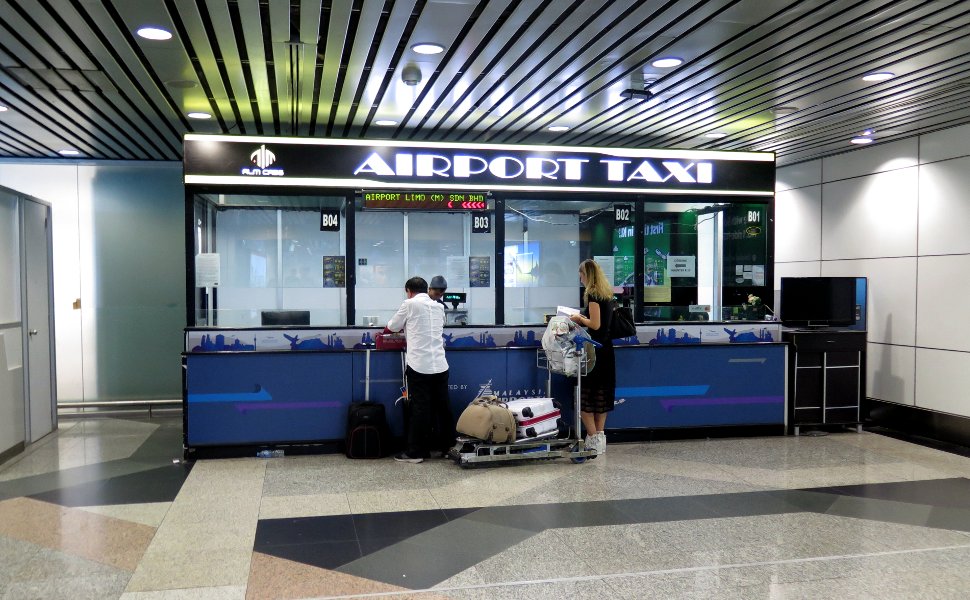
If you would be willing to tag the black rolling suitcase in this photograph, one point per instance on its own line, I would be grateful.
(368, 435)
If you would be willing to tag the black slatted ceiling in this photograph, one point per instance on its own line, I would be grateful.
(74, 74)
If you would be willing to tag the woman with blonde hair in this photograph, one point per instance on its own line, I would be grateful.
(599, 387)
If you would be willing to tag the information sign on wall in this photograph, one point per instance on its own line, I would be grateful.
(330, 219)
(681, 266)
(481, 222)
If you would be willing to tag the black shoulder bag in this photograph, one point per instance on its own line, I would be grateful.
(621, 323)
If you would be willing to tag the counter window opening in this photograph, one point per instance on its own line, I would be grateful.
(262, 257)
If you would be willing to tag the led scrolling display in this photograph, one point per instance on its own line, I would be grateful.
(447, 201)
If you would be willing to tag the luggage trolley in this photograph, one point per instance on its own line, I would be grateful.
(469, 451)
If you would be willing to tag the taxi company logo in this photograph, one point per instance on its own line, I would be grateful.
(263, 159)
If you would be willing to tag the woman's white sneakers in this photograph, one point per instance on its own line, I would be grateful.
(597, 443)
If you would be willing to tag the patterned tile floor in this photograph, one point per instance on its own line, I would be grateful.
(104, 509)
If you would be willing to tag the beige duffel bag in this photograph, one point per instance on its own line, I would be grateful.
(488, 419)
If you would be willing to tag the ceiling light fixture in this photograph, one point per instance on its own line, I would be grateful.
(411, 75)
(878, 76)
(639, 88)
(199, 115)
(428, 48)
(861, 140)
(715, 135)
(68, 152)
(3, 108)
(558, 128)
(667, 62)
(154, 33)
(385, 122)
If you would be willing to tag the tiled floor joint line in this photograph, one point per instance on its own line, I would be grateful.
(646, 573)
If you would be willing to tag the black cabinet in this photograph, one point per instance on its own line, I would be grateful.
(826, 377)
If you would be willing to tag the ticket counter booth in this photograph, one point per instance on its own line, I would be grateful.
(299, 249)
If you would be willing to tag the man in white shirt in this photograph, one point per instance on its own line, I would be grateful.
(423, 322)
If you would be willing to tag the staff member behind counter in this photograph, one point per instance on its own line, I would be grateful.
(436, 289)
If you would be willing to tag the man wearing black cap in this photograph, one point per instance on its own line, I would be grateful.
(436, 289)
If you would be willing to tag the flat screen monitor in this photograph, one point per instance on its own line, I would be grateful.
(818, 301)
(285, 317)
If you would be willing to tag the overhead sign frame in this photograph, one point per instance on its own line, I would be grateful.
(371, 164)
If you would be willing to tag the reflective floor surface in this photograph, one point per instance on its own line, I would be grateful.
(104, 509)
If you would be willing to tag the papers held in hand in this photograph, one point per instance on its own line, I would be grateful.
(565, 311)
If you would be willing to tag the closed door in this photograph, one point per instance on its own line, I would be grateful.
(37, 320)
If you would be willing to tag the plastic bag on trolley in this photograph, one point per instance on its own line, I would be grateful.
(568, 348)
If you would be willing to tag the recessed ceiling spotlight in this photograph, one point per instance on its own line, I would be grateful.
(878, 76)
(715, 134)
(861, 140)
(199, 115)
(154, 33)
(68, 152)
(867, 132)
(3, 108)
(667, 62)
(784, 110)
(558, 128)
(385, 122)
(428, 48)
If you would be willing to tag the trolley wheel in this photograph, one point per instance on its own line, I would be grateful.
(579, 459)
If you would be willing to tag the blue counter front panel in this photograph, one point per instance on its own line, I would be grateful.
(699, 386)
(280, 397)
(250, 398)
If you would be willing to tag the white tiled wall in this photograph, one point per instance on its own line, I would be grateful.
(880, 158)
(944, 212)
(942, 380)
(892, 295)
(943, 288)
(796, 239)
(869, 217)
(898, 214)
(889, 373)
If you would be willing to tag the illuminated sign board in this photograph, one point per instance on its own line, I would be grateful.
(454, 201)
(458, 168)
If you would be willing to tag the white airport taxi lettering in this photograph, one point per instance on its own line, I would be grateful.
(462, 166)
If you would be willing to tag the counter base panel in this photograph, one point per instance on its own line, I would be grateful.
(253, 399)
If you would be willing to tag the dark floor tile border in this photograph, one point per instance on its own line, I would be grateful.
(952, 492)
(377, 554)
(160, 484)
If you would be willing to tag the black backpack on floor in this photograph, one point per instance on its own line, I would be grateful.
(368, 435)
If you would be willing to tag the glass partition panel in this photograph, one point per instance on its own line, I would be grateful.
(702, 260)
(268, 260)
(745, 284)
(545, 240)
(393, 246)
